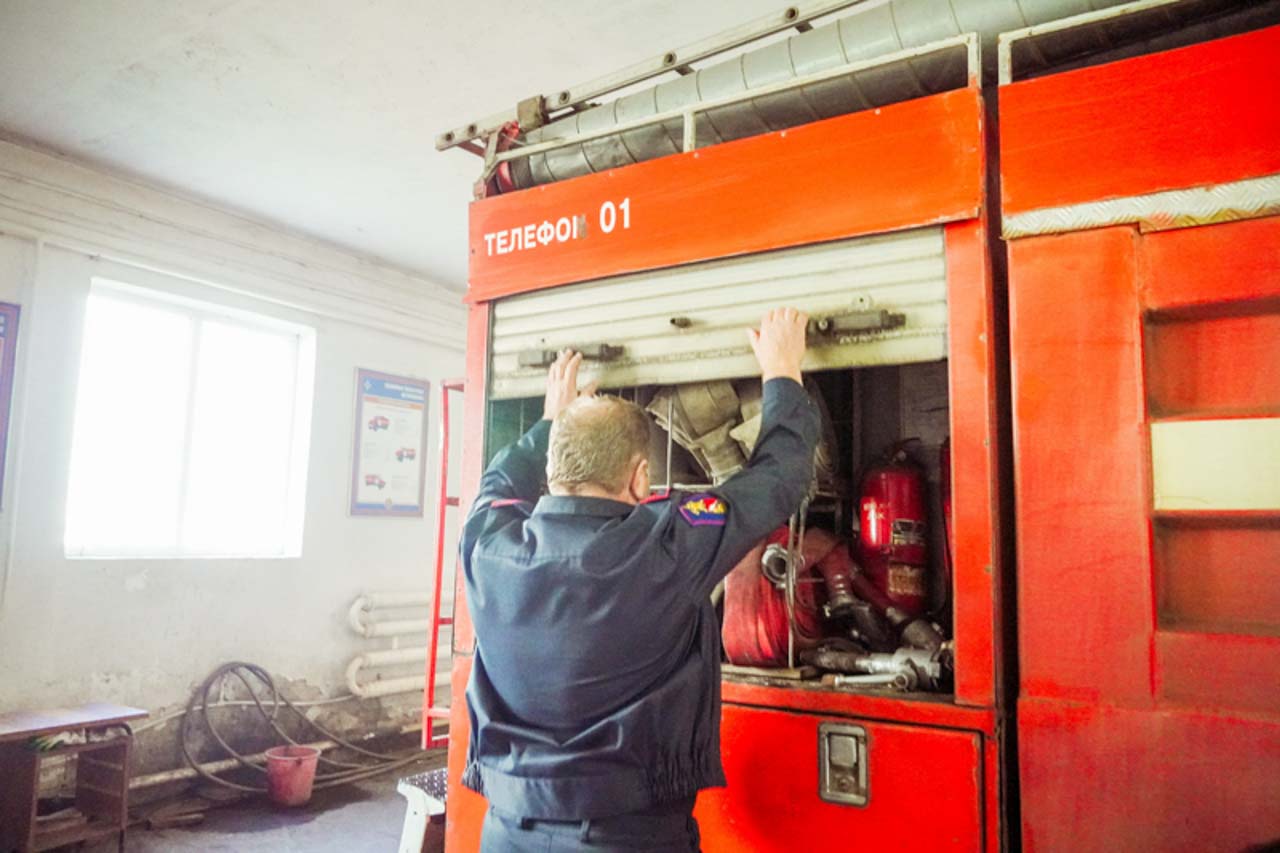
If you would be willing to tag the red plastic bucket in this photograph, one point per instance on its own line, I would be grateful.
(291, 770)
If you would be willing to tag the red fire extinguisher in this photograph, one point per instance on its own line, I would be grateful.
(893, 510)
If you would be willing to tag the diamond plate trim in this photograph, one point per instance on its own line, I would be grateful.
(1161, 211)
(434, 783)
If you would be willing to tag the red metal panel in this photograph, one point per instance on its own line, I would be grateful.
(1085, 608)
(973, 460)
(1155, 762)
(1174, 780)
(466, 809)
(1220, 573)
(1196, 364)
(1228, 263)
(1220, 671)
(465, 815)
(1199, 115)
(924, 784)
(475, 401)
(992, 784)
(930, 711)
(1213, 352)
(908, 164)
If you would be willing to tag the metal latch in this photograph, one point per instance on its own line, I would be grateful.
(842, 764)
(590, 352)
(855, 322)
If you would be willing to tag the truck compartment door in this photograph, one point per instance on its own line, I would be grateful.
(875, 300)
(896, 787)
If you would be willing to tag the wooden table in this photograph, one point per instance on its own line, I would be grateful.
(102, 775)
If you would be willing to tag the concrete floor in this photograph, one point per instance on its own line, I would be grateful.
(365, 817)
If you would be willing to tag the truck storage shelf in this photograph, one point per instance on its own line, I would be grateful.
(932, 709)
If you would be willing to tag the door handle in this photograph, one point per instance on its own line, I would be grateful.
(590, 352)
(842, 764)
(855, 322)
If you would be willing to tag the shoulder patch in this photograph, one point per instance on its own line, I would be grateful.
(704, 510)
(499, 504)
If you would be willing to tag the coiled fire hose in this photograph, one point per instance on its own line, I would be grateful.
(344, 772)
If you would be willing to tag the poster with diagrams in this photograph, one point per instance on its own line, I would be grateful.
(390, 459)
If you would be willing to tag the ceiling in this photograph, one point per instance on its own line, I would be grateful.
(318, 115)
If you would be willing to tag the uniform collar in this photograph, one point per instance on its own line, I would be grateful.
(577, 505)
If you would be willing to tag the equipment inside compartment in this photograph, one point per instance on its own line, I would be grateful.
(855, 592)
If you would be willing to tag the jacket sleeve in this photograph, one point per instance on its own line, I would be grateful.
(757, 499)
(511, 484)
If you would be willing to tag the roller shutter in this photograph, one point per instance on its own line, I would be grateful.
(686, 324)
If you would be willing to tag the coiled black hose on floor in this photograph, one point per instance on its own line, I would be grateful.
(374, 763)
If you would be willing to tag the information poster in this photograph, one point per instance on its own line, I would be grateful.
(390, 460)
(8, 348)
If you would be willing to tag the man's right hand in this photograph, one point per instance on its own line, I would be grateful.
(562, 384)
(779, 343)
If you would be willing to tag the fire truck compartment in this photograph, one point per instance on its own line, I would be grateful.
(869, 412)
(673, 341)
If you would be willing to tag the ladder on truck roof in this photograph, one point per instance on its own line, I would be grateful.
(433, 713)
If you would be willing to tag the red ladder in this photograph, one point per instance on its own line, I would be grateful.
(431, 712)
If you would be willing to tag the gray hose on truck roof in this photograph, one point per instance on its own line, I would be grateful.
(870, 31)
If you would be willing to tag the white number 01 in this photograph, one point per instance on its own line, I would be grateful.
(609, 215)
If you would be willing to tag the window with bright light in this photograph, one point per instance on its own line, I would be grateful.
(192, 430)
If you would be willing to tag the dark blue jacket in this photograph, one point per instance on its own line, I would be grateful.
(595, 689)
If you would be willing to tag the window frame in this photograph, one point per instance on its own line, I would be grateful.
(200, 311)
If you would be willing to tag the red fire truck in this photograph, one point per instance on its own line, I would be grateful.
(1041, 248)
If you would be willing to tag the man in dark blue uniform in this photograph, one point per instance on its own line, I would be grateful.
(595, 689)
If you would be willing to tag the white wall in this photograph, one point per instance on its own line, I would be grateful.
(143, 632)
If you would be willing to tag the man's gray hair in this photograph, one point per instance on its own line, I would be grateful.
(595, 441)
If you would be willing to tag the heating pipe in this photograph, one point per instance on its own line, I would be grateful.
(363, 619)
(392, 686)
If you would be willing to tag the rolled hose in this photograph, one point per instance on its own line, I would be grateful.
(200, 700)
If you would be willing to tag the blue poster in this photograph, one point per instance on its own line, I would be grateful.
(390, 459)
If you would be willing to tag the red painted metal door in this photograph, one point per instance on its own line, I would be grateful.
(1146, 373)
(1146, 391)
(774, 767)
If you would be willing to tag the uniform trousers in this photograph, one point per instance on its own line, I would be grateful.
(668, 828)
